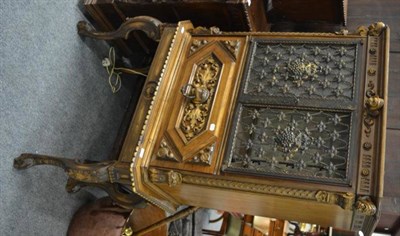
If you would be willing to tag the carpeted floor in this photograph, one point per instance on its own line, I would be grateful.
(55, 100)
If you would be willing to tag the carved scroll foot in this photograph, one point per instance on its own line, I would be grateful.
(112, 177)
(149, 25)
(94, 172)
(24, 161)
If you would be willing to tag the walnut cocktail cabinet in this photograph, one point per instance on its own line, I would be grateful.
(285, 125)
(290, 126)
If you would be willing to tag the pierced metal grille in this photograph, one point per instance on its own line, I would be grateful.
(296, 111)
(302, 70)
(307, 143)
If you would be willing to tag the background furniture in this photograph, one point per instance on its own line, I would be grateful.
(307, 16)
(255, 15)
(240, 15)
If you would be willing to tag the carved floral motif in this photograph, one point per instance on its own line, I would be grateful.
(233, 46)
(196, 44)
(165, 153)
(203, 157)
(195, 115)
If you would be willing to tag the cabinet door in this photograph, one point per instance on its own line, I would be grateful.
(299, 110)
(201, 98)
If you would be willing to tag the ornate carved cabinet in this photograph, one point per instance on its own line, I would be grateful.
(290, 126)
(285, 125)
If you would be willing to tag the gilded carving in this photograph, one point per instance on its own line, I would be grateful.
(204, 31)
(203, 157)
(127, 231)
(196, 44)
(150, 89)
(365, 206)
(196, 110)
(376, 29)
(373, 30)
(344, 200)
(165, 153)
(250, 187)
(374, 104)
(365, 178)
(233, 46)
(172, 178)
(362, 30)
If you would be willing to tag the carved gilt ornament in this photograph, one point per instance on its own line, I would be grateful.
(204, 157)
(173, 178)
(200, 94)
(165, 153)
(365, 206)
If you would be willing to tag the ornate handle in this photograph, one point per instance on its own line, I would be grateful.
(374, 104)
(195, 94)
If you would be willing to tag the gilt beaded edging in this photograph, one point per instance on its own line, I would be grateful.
(135, 155)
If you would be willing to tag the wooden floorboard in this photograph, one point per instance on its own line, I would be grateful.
(365, 12)
(394, 75)
(394, 92)
(393, 118)
(392, 164)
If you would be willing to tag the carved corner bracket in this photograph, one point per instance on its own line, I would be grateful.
(160, 176)
(373, 30)
(204, 157)
(365, 206)
(165, 152)
(232, 46)
(196, 44)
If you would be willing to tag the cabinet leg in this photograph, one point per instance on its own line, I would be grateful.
(89, 174)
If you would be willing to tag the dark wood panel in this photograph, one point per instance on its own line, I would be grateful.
(392, 164)
(329, 11)
(365, 12)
